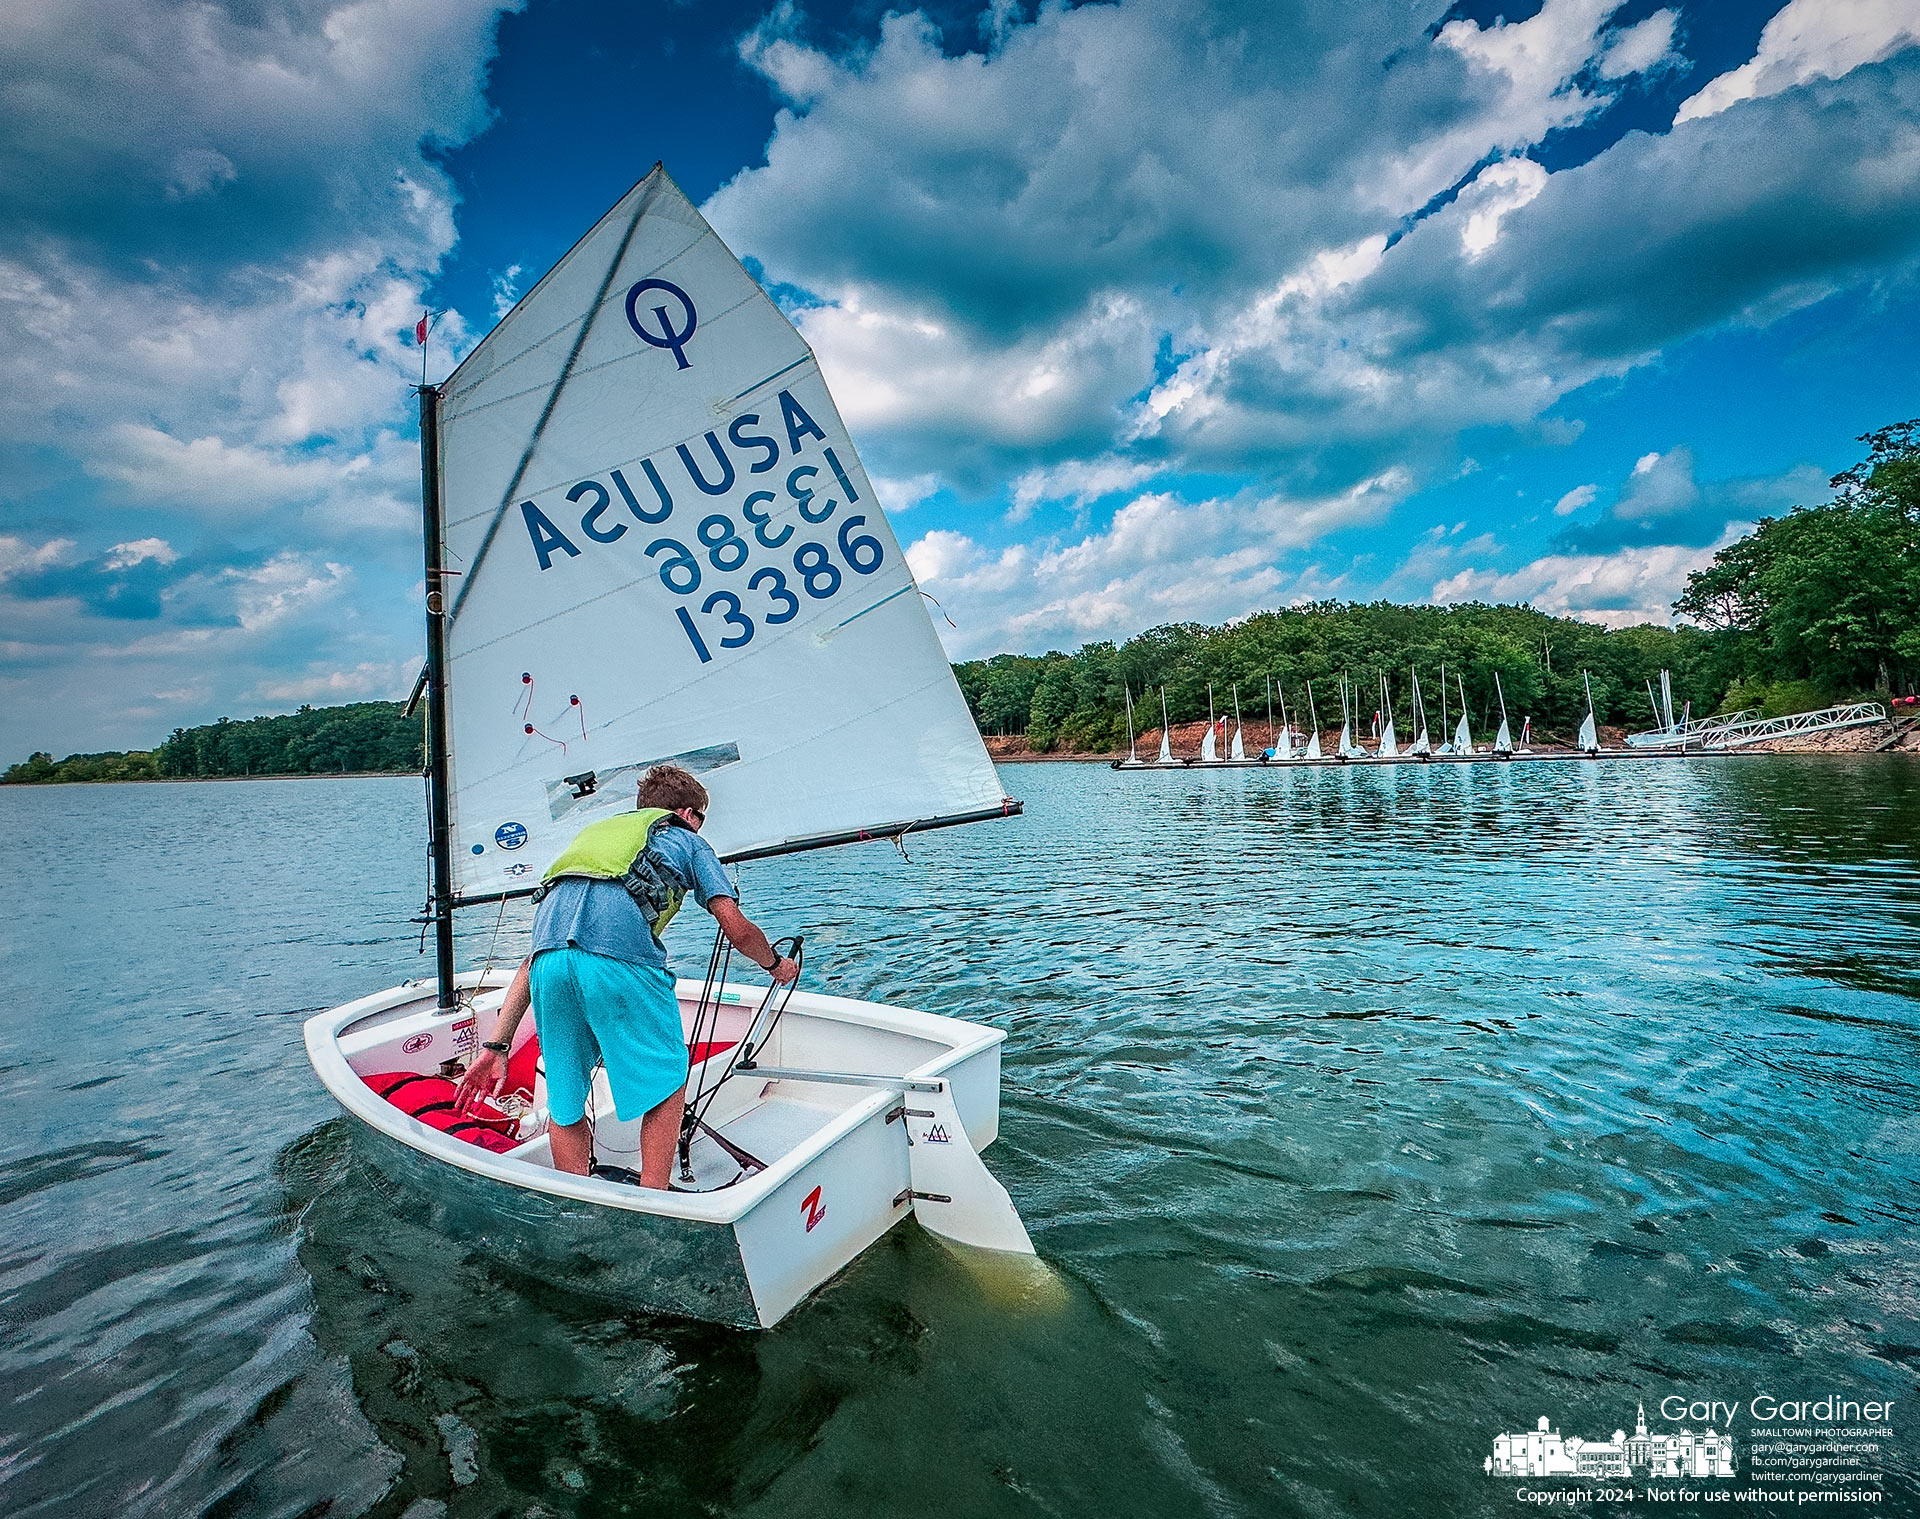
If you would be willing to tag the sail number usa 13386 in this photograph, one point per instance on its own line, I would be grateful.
(754, 567)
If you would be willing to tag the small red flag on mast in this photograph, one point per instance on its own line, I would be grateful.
(420, 330)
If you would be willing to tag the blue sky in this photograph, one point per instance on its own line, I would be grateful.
(1138, 312)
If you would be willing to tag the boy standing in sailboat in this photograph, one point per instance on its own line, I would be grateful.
(599, 975)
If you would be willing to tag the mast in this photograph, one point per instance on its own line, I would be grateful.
(1132, 748)
(1273, 738)
(439, 820)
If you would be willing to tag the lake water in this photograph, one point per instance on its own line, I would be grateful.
(1361, 1115)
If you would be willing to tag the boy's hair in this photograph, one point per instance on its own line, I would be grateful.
(671, 787)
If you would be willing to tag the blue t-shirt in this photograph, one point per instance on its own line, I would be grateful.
(599, 916)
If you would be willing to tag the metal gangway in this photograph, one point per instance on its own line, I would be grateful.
(1736, 730)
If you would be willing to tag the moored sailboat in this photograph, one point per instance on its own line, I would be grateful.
(643, 456)
(1422, 745)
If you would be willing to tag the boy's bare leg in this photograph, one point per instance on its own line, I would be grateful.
(572, 1146)
(660, 1141)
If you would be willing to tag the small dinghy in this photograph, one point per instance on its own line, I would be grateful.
(649, 538)
(848, 1117)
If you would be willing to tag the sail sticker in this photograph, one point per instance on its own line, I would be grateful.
(668, 336)
(812, 1208)
(937, 1135)
(510, 835)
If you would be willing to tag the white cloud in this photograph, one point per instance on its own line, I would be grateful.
(1809, 39)
(18, 557)
(1640, 48)
(286, 584)
(1618, 590)
(367, 681)
(1161, 559)
(1574, 499)
(1079, 482)
(1500, 188)
(124, 556)
(506, 290)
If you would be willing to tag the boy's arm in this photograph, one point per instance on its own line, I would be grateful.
(487, 1076)
(747, 937)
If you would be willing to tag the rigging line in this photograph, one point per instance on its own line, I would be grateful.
(875, 606)
(583, 370)
(775, 375)
(486, 968)
(505, 364)
(553, 400)
(747, 1050)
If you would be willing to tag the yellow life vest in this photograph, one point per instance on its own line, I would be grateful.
(616, 849)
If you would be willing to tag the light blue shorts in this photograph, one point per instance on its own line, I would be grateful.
(588, 1008)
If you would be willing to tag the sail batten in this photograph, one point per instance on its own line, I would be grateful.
(671, 549)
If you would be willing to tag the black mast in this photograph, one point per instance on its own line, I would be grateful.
(439, 826)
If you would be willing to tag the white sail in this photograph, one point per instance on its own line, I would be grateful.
(1166, 731)
(1388, 747)
(1463, 737)
(666, 548)
(1503, 740)
(1589, 740)
(1283, 745)
(1208, 752)
(1238, 748)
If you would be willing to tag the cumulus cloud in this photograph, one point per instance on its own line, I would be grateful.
(1617, 590)
(207, 285)
(1023, 252)
(1161, 559)
(366, 681)
(1662, 502)
(1809, 39)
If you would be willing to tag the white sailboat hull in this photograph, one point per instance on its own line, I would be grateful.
(839, 1173)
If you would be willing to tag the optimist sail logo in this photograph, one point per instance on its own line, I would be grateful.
(812, 1208)
(668, 335)
(937, 1135)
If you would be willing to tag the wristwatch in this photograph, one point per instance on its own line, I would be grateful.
(498, 1046)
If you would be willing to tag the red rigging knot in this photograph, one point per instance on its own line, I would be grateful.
(536, 733)
(526, 694)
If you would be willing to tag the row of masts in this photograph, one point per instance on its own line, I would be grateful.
(1285, 739)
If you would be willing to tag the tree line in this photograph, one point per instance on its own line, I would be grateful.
(1807, 609)
(359, 737)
